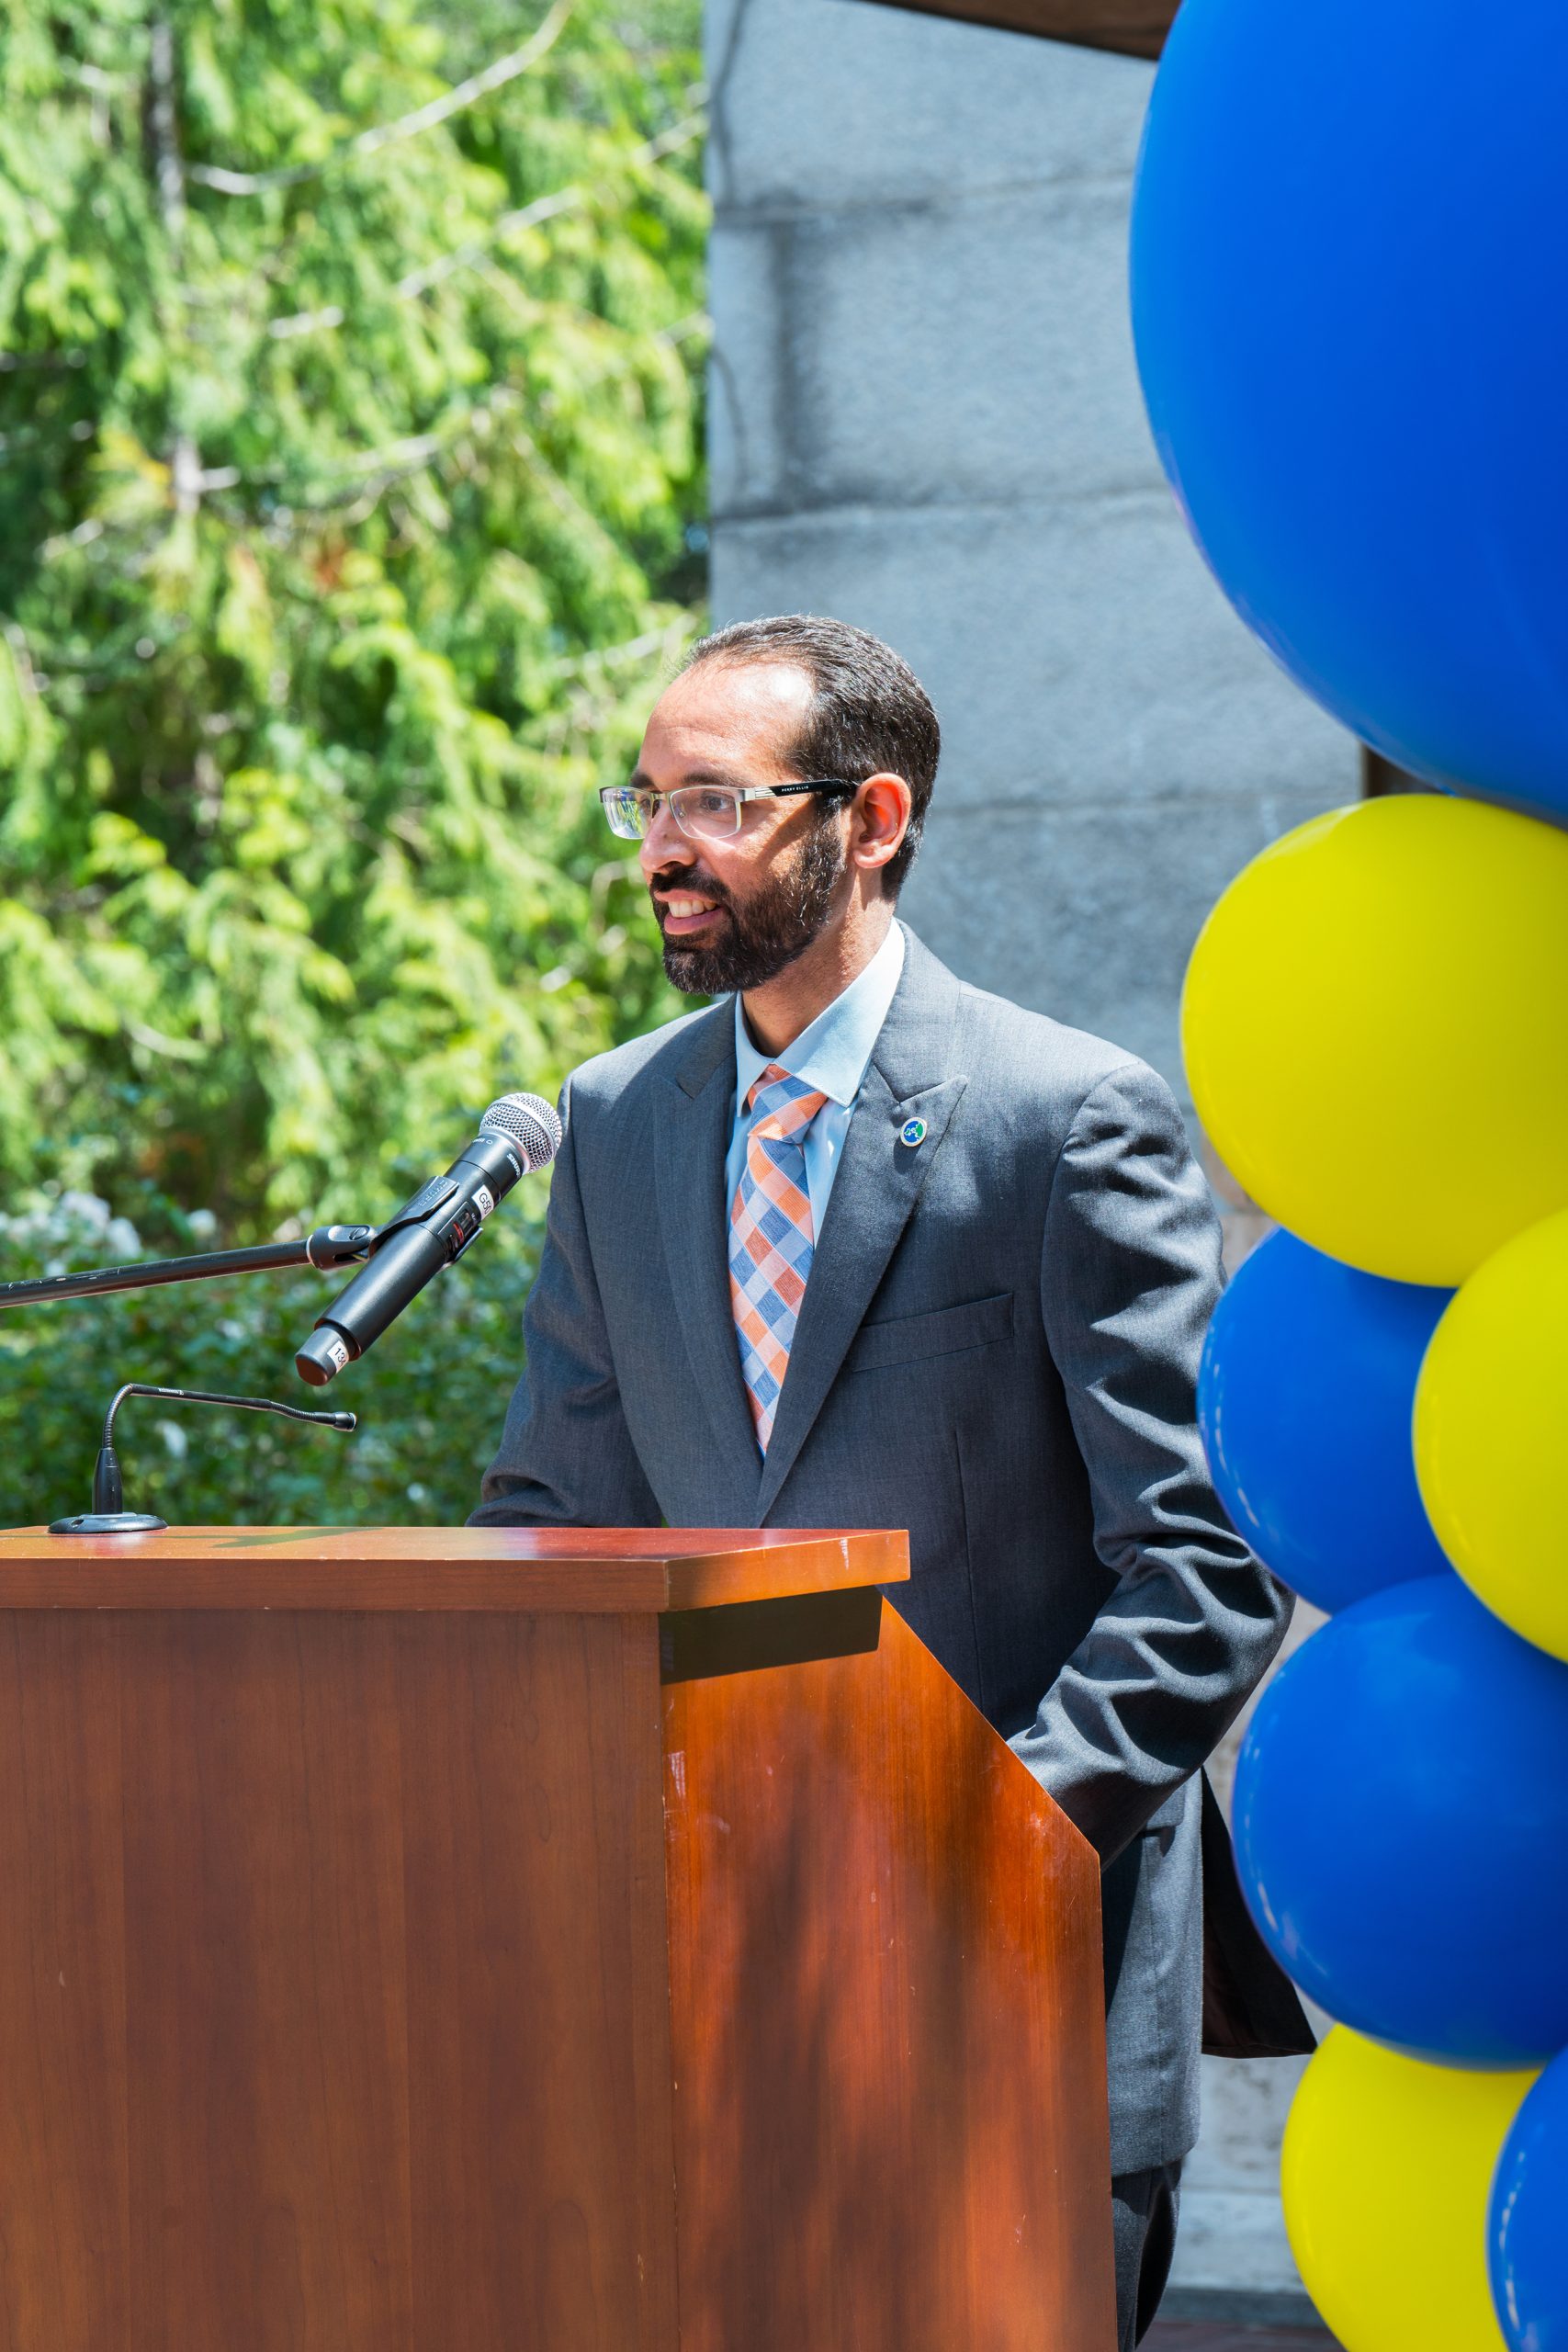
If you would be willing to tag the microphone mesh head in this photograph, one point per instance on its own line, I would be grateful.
(531, 1124)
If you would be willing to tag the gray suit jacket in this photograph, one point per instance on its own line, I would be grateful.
(997, 1349)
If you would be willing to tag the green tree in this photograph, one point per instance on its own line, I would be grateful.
(348, 477)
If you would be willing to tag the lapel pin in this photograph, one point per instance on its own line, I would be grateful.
(913, 1133)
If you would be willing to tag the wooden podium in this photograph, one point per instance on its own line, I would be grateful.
(448, 1940)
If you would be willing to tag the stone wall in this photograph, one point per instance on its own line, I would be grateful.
(926, 418)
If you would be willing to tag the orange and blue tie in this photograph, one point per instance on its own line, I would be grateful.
(771, 1239)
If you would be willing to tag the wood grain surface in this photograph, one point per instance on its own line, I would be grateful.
(887, 2012)
(580, 1569)
(333, 1998)
(703, 1979)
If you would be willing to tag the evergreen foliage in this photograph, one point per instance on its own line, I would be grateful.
(430, 1396)
(348, 458)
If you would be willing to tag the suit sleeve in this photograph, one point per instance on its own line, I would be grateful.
(1129, 1277)
(566, 1457)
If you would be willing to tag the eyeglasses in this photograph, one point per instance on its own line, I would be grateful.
(705, 812)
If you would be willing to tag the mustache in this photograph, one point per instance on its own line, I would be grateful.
(688, 880)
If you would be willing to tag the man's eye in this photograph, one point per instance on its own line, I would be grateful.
(709, 803)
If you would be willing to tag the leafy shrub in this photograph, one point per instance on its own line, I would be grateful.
(431, 1395)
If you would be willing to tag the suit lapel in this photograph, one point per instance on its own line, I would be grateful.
(878, 1183)
(692, 1139)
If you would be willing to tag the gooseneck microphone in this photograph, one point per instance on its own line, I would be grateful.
(109, 1515)
(517, 1134)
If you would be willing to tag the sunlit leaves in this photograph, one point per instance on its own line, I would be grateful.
(333, 520)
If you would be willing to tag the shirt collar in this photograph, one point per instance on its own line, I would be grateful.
(830, 1055)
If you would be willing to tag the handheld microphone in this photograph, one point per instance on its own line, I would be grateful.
(517, 1134)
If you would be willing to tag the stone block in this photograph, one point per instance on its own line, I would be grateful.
(1233, 2241)
(904, 357)
(826, 101)
(1075, 652)
(754, 419)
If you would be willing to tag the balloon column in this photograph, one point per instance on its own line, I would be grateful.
(1345, 246)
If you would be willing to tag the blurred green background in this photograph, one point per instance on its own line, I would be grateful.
(351, 514)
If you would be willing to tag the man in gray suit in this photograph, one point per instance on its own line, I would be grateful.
(977, 1244)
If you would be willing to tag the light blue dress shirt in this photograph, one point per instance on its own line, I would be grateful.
(831, 1055)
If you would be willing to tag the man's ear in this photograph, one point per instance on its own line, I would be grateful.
(879, 819)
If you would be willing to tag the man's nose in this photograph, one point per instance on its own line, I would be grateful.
(663, 844)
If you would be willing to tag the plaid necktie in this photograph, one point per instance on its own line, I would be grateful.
(771, 1239)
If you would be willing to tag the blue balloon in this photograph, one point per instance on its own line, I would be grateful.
(1402, 1827)
(1347, 244)
(1304, 1398)
(1528, 2227)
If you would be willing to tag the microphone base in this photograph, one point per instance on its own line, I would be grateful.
(107, 1523)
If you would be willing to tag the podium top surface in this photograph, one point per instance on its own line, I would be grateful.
(560, 1570)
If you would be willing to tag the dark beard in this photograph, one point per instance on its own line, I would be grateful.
(770, 931)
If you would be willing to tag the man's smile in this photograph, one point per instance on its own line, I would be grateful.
(682, 912)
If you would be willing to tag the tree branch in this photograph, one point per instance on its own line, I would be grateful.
(474, 253)
(407, 126)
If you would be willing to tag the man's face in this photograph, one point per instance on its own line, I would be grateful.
(733, 913)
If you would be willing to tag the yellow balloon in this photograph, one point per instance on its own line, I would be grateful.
(1492, 1433)
(1375, 1025)
(1386, 2173)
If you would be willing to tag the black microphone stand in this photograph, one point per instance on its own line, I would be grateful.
(329, 1246)
(109, 1515)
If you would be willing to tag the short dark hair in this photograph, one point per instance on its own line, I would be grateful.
(870, 714)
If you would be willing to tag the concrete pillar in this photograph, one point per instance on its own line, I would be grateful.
(926, 418)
